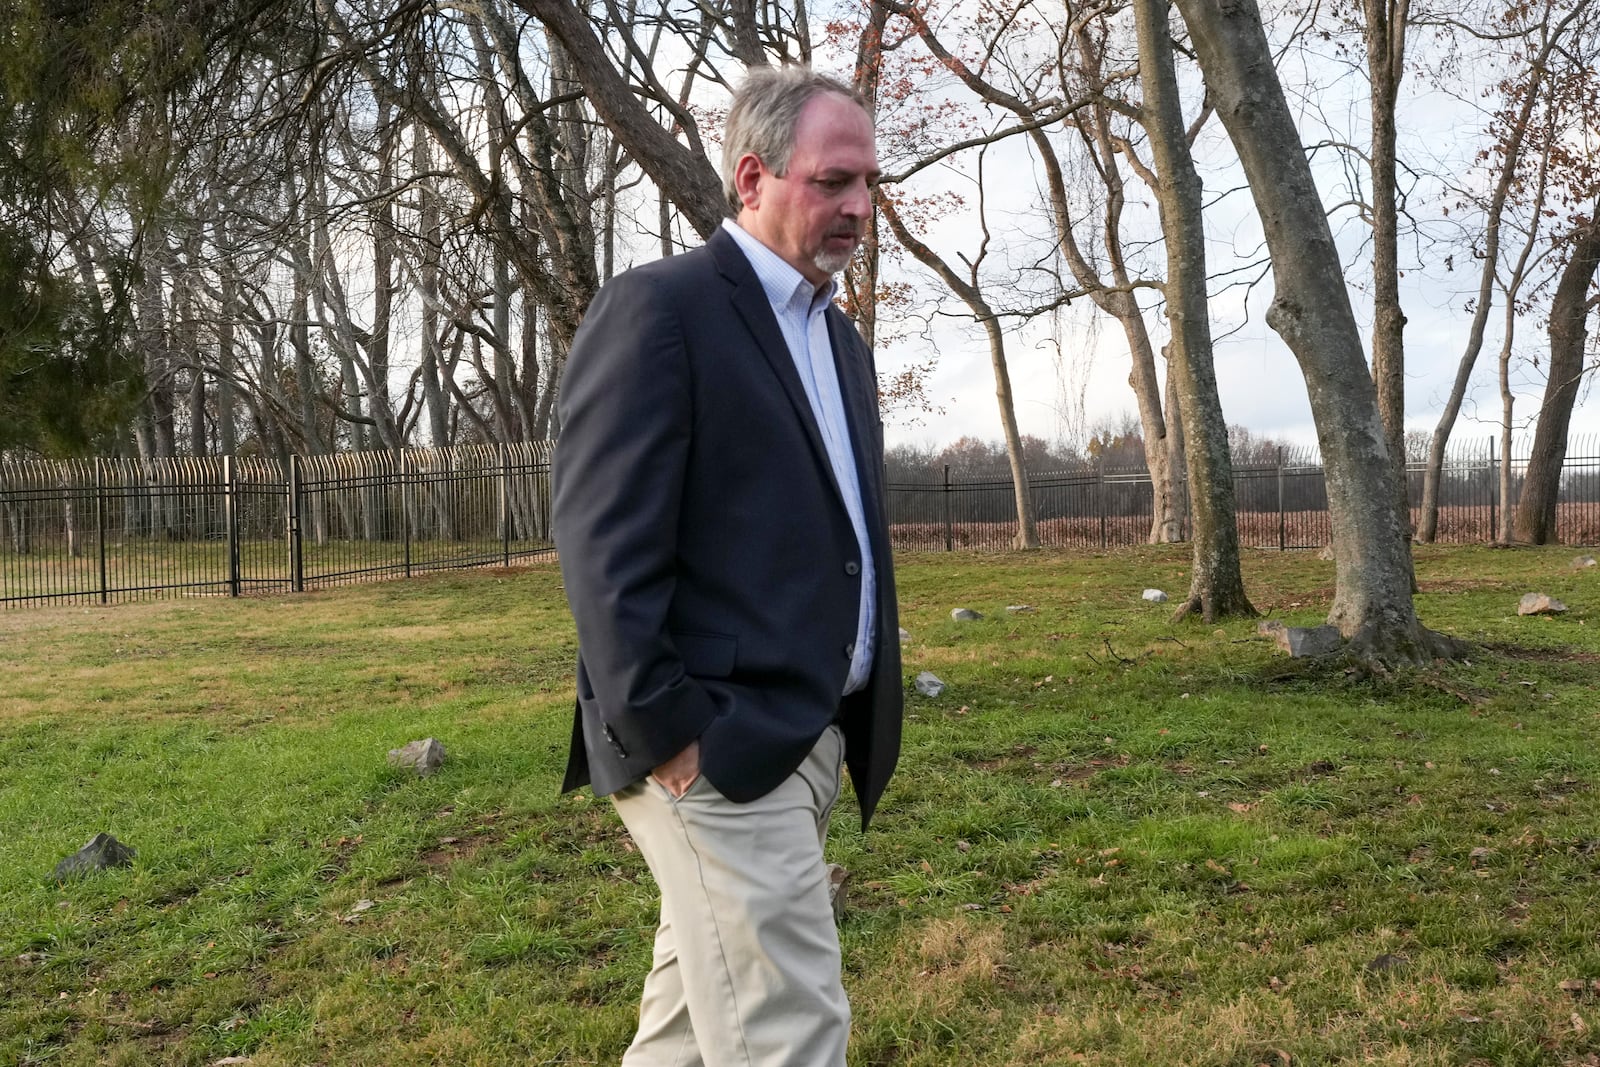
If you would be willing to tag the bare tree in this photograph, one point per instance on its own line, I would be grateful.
(1523, 90)
(1216, 585)
(1569, 315)
(1082, 93)
(1311, 311)
(970, 290)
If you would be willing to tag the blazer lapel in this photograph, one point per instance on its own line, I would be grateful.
(750, 301)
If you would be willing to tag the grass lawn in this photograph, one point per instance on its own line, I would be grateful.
(1110, 840)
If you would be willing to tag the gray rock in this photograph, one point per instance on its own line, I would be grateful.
(101, 853)
(1020, 609)
(905, 635)
(838, 883)
(425, 756)
(1326, 553)
(929, 685)
(1155, 596)
(1387, 962)
(1305, 641)
(1580, 562)
(1539, 604)
(966, 615)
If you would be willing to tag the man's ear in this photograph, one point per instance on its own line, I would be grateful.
(747, 175)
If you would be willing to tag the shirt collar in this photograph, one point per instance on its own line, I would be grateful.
(785, 287)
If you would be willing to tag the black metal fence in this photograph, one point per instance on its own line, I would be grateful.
(98, 531)
(1281, 504)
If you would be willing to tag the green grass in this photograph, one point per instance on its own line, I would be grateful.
(1110, 841)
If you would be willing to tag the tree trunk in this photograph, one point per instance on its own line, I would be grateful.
(432, 238)
(189, 339)
(156, 342)
(1311, 311)
(1177, 454)
(154, 427)
(1502, 536)
(1166, 524)
(1027, 535)
(528, 384)
(1216, 586)
(501, 381)
(305, 368)
(1386, 49)
(862, 277)
(380, 404)
(1569, 315)
(228, 286)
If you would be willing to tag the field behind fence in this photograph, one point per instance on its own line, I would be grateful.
(101, 531)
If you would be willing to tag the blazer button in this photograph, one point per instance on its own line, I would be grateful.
(852, 568)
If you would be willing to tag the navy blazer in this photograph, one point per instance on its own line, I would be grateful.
(708, 558)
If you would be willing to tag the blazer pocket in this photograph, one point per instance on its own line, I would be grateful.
(706, 655)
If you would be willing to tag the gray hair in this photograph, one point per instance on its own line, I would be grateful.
(766, 108)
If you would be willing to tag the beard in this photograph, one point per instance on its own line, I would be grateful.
(834, 262)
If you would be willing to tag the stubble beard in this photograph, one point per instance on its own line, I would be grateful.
(832, 263)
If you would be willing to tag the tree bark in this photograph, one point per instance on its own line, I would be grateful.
(228, 310)
(431, 234)
(1216, 585)
(1569, 316)
(1311, 311)
(188, 334)
(1386, 24)
(1502, 536)
(1166, 521)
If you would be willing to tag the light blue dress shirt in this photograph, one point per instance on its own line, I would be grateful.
(799, 307)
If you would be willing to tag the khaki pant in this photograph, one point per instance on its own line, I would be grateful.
(746, 966)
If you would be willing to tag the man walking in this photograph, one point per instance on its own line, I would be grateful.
(719, 513)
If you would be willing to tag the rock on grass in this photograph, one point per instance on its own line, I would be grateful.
(102, 852)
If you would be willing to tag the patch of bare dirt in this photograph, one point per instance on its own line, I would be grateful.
(1539, 655)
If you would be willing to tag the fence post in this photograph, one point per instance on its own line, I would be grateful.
(100, 521)
(1494, 493)
(949, 529)
(1100, 498)
(505, 504)
(297, 574)
(1283, 539)
(405, 503)
(230, 518)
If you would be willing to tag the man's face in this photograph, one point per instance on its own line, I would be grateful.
(815, 215)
